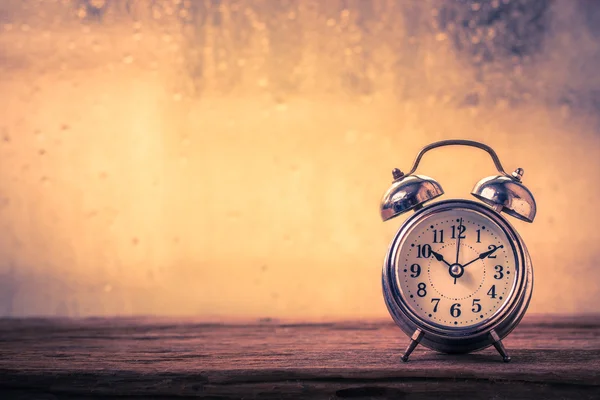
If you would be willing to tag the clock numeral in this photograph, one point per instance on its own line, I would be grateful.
(422, 292)
(499, 274)
(437, 302)
(435, 236)
(476, 306)
(478, 235)
(416, 270)
(461, 231)
(492, 247)
(492, 292)
(423, 251)
(455, 310)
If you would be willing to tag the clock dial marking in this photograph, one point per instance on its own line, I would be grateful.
(461, 293)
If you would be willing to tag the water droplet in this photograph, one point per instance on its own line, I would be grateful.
(108, 288)
(128, 59)
(177, 97)
(331, 22)
(25, 28)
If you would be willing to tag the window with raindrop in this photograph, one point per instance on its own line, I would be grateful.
(226, 158)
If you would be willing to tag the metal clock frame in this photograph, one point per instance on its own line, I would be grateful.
(459, 340)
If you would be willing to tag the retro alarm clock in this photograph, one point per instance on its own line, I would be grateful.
(457, 276)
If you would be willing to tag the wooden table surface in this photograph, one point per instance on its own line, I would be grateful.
(552, 357)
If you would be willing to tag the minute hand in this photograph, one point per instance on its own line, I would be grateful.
(484, 255)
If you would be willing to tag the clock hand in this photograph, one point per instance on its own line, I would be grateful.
(484, 255)
(458, 242)
(440, 257)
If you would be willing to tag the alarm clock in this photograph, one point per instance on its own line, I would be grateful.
(457, 276)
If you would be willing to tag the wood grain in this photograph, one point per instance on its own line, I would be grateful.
(553, 357)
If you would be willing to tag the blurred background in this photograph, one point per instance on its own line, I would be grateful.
(226, 159)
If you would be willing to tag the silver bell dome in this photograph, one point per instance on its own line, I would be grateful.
(516, 200)
(407, 193)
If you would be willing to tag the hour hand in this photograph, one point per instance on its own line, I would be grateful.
(440, 257)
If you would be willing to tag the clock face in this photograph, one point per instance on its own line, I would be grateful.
(456, 268)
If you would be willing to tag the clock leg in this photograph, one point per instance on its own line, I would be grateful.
(499, 346)
(414, 341)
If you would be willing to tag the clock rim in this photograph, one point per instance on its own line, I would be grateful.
(459, 339)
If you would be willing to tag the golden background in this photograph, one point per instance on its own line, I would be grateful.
(226, 159)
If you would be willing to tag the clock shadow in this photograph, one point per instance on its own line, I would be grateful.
(485, 357)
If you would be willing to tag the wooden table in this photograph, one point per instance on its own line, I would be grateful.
(552, 357)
